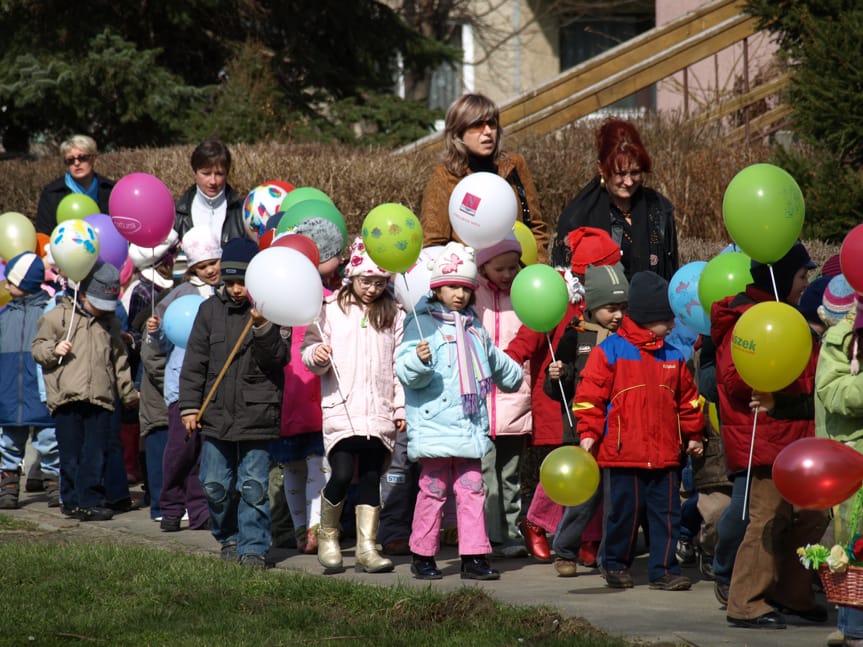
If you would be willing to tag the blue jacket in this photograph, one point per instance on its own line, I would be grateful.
(20, 403)
(437, 427)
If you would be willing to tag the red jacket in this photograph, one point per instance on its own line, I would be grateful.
(637, 398)
(771, 435)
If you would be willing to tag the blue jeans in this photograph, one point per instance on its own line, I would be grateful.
(154, 445)
(730, 531)
(82, 434)
(13, 443)
(116, 480)
(241, 517)
(850, 622)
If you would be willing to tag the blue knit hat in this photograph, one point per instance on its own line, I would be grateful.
(26, 271)
(236, 255)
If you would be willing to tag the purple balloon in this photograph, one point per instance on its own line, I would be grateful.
(142, 209)
(113, 248)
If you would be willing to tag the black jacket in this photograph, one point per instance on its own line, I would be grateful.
(234, 227)
(49, 200)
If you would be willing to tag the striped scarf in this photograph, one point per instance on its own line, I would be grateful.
(472, 360)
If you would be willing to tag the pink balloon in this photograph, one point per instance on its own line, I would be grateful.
(817, 473)
(849, 258)
(142, 209)
(113, 248)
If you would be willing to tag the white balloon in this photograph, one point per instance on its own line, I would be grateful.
(285, 286)
(412, 285)
(482, 209)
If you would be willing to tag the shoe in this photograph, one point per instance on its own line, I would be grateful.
(9, 489)
(836, 639)
(475, 567)
(69, 511)
(817, 613)
(770, 620)
(300, 535)
(95, 514)
(685, 552)
(396, 547)
(124, 505)
(720, 590)
(169, 524)
(705, 565)
(565, 567)
(621, 579)
(450, 536)
(52, 491)
(206, 525)
(329, 549)
(310, 546)
(671, 582)
(228, 552)
(425, 568)
(251, 560)
(535, 540)
(587, 553)
(513, 551)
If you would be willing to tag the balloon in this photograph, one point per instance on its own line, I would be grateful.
(393, 237)
(723, 276)
(285, 286)
(287, 187)
(180, 317)
(818, 473)
(17, 234)
(5, 297)
(262, 202)
(683, 297)
(482, 209)
(76, 206)
(113, 248)
(303, 244)
(528, 243)
(849, 258)
(302, 193)
(569, 475)
(42, 241)
(539, 297)
(414, 283)
(763, 211)
(75, 248)
(771, 345)
(142, 209)
(308, 209)
(266, 239)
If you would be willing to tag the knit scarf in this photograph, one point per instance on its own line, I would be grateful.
(472, 360)
(91, 192)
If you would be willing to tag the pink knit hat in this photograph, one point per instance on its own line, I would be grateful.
(508, 244)
(361, 264)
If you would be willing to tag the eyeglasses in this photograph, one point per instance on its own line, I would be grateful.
(379, 284)
(482, 123)
(634, 175)
(81, 159)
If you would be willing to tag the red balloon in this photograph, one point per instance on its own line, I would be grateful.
(266, 239)
(818, 473)
(287, 186)
(849, 258)
(302, 244)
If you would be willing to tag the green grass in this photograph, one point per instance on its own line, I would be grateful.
(99, 594)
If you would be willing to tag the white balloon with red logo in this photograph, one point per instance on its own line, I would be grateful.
(482, 209)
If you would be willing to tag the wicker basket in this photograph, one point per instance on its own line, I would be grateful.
(843, 588)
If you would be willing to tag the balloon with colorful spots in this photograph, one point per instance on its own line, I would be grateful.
(263, 201)
(75, 248)
(393, 237)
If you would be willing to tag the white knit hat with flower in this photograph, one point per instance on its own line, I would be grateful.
(454, 266)
(201, 244)
(361, 264)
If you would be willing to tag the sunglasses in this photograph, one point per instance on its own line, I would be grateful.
(80, 159)
(482, 123)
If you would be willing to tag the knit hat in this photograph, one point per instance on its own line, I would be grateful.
(236, 255)
(839, 299)
(327, 236)
(811, 298)
(102, 286)
(783, 270)
(591, 246)
(201, 244)
(831, 267)
(454, 266)
(648, 298)
(604, 284)
(26, 271)
(508, 244)
(361, 264)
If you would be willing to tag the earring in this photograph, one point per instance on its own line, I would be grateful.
(602, 181)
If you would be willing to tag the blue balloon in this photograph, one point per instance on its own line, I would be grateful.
(683, 297)
(180, 317)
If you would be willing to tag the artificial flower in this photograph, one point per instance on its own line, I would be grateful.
(838, 560)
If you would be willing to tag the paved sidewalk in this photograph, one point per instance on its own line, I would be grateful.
(691, 618)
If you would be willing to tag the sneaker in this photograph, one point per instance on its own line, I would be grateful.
(587, 553)
(836, 639)
(720, 590)
(123, 505)
(52, 491)
(397, 547)
(685, 552)
(621, 579)
(9, 489)
(251, 560)
(705, 565)
(69, 511)
(228, 552)
(95, 514)
(311, 546)
(169, 524)
(565, 567)
(671, 582)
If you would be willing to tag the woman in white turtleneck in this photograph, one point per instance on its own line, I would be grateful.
(211, 202)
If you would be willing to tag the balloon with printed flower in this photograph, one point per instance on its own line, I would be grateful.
(75, 248)
(393, 237)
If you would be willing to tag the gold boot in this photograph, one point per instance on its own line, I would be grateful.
(368, 558)
(329, 551)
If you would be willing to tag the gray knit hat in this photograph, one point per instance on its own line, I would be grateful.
(605, 284)
(325, 234)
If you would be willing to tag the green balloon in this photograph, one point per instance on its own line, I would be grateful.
(393, 237)
(76, 206)
(308, 209)
(763, 211)
(539, 297)
(302, 193)
(723, 276)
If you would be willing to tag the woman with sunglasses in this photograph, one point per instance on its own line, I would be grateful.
(472, 143)
(639, 219)
(79, 154)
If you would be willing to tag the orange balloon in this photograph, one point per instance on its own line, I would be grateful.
(42, 241)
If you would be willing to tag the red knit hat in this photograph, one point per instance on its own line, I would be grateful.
(591, 246)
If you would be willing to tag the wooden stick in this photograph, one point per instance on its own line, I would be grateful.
(224, 370)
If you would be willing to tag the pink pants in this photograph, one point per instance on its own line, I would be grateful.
(437, 477)
(544, 512)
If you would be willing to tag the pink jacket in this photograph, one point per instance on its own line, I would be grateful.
(301, 402)
(509, 413)
(365, 361)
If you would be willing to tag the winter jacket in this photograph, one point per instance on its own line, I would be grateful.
(301, 402)
(233, 227)
(771, 434)
(53, 193)
(435, 207)
(20, 404)
(638, 400)
(509, 413)
(437, 426)
(96, 370)
(247, 404)
(365, 361)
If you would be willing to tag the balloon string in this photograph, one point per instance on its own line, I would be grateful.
(413, 306)
(773, 281)
(749, 465)
(560, 384)
(71, 320)
(338, 379)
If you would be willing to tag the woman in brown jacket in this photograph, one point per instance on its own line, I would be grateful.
(472, 143)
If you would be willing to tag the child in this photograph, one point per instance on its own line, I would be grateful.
(636, 404)
(362, 402)
(606, 293)
(85, 374)
(447, 376)
(22, 411)
(243, 414)
(509, 413)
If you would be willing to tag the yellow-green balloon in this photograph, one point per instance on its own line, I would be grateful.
(76, 206)
(569, 475)
(393, 237)
(17, 235)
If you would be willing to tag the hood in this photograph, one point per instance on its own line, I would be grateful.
(639, 337)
